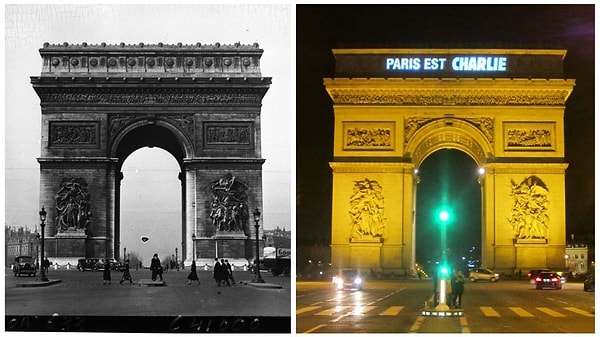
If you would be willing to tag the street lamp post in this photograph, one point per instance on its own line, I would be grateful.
(42, 224)
(194, 246)
(257, 277)
(176, 263)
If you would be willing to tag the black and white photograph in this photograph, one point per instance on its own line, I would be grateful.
(148, 167)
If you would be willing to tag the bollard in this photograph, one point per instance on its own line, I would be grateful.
(245, 268)
(205, 267)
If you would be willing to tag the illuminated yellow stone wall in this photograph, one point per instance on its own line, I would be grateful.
(386, 127)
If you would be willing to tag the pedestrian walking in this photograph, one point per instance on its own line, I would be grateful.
(106, 273)
(224, 273)
(126, 274)
(193, 276)
(229, 271)
(217, 272)
(156, 268)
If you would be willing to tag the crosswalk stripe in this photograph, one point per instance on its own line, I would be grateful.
(362, 310)
(489, 312)
(332, 310)
(392, 311)
(306, 309)
(521, 312)
(579, 311)
(550, 312)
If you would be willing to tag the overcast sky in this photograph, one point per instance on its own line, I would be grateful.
(27, 27)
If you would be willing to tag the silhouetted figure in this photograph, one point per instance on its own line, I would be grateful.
(224, 273)
(106, 273)
(193, 276)
(126, 274)
(156, 268)
(229, 270)
(217, 272)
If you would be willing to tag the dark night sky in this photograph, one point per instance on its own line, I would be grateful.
(320, 28)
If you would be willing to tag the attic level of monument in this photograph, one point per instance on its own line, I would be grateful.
(154, 60)
(496, 63)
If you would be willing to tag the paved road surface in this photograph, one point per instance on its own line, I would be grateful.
(83, 294)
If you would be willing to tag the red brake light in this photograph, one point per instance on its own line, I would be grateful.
(538, 279)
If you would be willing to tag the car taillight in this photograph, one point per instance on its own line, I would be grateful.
(554, 279)
(538, 279)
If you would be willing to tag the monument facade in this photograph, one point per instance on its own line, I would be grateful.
(100, 103)
(395, 107)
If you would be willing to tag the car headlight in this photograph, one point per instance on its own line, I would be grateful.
(357, 280)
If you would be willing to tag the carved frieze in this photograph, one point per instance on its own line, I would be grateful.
(369, 135)
(80, 134)
(228, 134)
(529, 213)
(140, 96)
(448, 97)
(532, 136)
(366, 210)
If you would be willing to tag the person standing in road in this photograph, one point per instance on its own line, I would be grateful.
(217, 272)
(156, 268)
(193, 276)
(458, 288)
(224, 273)
(229, 271)
(126, 275)
(106, 273)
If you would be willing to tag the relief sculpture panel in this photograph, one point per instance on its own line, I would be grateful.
(366, 210)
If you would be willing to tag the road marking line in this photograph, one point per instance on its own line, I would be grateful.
(489, 312)
(386, 296)
(392, 311)
(359, 310)
(521, 312)
(332, 310)
(416, 325)
(464, 325)
(315, 328)
(306, 309)
(579, 311)
(550, 312)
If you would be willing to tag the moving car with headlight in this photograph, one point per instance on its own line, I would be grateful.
(24, 265)
(348, 279)
(548, 280)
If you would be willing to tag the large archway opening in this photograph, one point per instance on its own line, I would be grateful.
(150, 206)
(448, 180)
(150, 195)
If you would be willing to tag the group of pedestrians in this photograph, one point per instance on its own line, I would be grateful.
(222, 272)
(455, 287)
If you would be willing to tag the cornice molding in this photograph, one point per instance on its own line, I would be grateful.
(363, 167)
(432, 91)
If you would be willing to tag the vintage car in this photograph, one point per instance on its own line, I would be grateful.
(88, 264)
(24, 265)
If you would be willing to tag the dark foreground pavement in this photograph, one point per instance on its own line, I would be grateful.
(83, 303)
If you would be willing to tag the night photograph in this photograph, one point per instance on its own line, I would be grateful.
(388, 171)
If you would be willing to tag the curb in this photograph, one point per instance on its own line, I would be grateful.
(262, 285)
(38, 283)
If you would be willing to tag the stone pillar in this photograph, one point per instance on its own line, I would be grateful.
(190, 214)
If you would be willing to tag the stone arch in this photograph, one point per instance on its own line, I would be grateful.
(509, 121)
(99, 103)
(448, 133)
(184, 150)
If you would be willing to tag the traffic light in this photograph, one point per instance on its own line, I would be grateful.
(444, 215)
(444, 271)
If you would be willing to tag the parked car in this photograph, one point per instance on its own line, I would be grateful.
(589, 284)
(348, 279)
(548, 280)
(483, 274)
(24, 265)
(87, 264)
